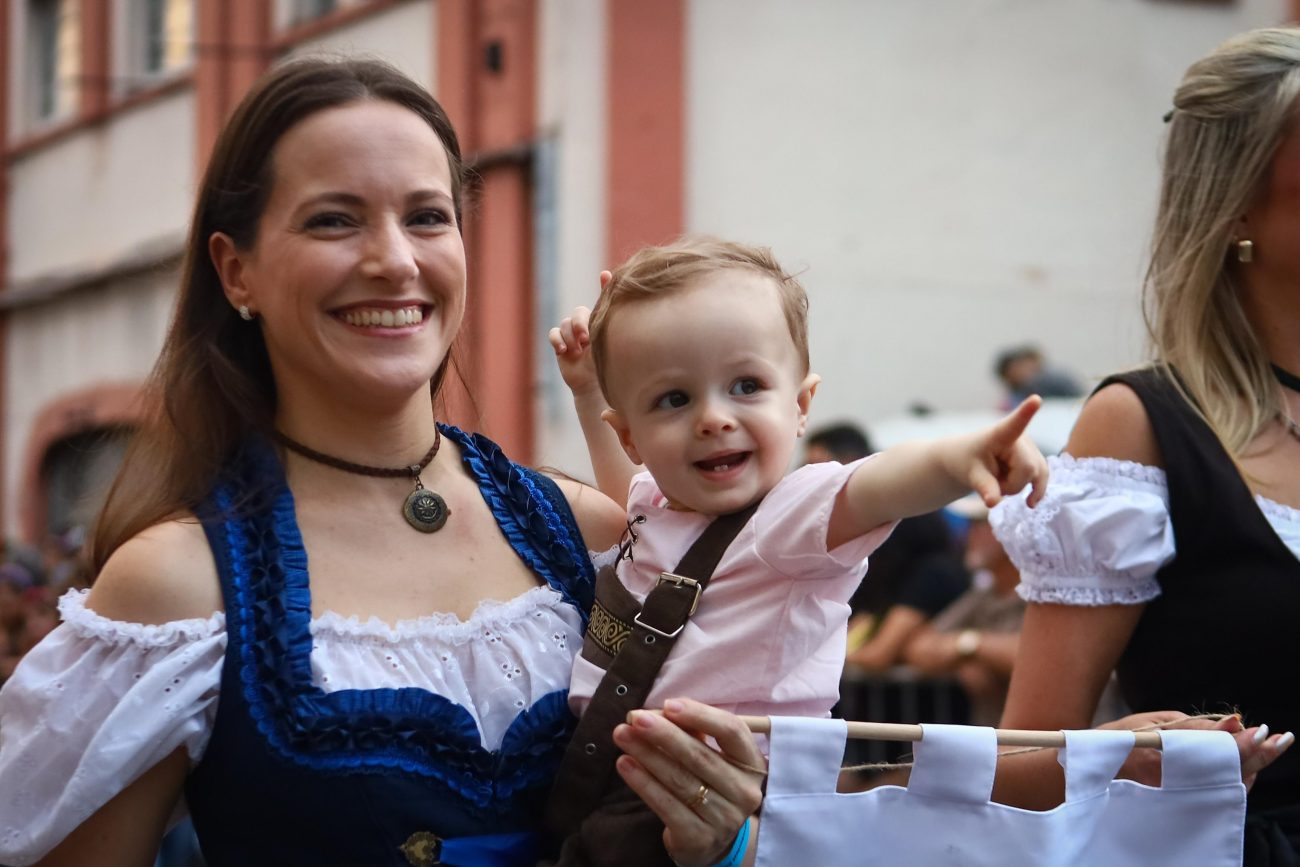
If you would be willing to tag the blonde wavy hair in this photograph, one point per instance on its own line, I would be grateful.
(1231, 111)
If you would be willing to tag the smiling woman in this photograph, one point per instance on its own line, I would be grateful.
(268, 635)
(360, 227)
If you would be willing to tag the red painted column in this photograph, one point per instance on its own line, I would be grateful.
(5, 11)
(233, 48)
(487, 82)
(647, 138)
(96, 67)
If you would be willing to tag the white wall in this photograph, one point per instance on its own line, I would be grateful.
(404, 35)
(103, 192)
(570, 188)
(952, 176)
(104, 335)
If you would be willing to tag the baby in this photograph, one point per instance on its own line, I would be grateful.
(696, 359)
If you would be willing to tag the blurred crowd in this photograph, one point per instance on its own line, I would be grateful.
(31, 582)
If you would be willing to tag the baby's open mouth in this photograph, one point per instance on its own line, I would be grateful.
(722, 463)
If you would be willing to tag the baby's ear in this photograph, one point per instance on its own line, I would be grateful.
(807, 389)
(614, 419)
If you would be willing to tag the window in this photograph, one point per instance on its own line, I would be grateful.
(160, 38)
(292, 13)
(307, 10)
(77, 473)
(54, 58)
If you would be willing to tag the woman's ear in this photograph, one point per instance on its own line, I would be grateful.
(614, 419)
(228, 262)
(807, 389)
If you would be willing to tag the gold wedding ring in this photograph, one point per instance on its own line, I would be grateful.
(701, 798)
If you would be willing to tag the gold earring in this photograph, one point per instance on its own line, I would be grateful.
(1245, 251)
(244, 313)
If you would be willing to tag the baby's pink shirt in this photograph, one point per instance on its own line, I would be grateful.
(769, 634)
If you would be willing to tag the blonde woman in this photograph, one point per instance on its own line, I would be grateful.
(1167, 546)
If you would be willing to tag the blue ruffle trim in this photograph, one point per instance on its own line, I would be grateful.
(376, 731)
(535, 518)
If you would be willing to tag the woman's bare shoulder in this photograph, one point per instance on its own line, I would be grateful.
(599, 518)
(160, 575)
(1114, 424)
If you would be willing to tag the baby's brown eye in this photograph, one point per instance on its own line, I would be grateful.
(672, 400)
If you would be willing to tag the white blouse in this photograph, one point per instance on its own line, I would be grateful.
(99, 701)
(1102, 532)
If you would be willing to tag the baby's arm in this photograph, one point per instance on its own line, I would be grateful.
(572, 344)
(919, 477)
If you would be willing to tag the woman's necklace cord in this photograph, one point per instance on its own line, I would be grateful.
(424, 509)
(1291, 382)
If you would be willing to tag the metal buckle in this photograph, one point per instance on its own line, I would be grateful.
(679, 581)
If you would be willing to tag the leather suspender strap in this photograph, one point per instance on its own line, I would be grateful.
(589, 759)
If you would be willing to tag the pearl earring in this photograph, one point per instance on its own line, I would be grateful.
(244, 313)
(1245, 251)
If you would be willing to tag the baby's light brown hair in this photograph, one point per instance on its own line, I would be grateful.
(657, 272)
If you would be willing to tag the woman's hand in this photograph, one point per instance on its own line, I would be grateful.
(701, 798)
(1258, 749)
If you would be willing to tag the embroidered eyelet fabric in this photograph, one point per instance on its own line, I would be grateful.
(92, 707)
(1101, 533)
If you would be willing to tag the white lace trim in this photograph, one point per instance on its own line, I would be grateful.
(490, 615)
(1067, 464)
(90, 624)
(601, 559)
(1275, 511)
(1076, 594)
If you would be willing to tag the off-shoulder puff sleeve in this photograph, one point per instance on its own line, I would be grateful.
(92, 707)
(1097, 538)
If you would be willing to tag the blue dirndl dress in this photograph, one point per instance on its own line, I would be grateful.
(294, 775)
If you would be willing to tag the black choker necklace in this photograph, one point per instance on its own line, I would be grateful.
(1290, 381)
(424, 510)
(1286, 377)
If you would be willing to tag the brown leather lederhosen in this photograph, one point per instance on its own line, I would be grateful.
(602, 822)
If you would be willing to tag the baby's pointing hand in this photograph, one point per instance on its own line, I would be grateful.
(1006, 460)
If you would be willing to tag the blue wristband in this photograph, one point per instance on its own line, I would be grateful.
(736, 855)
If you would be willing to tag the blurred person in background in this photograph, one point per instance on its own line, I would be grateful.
(975, 638)
(913, 575)
(15, 581)
(1023, 371)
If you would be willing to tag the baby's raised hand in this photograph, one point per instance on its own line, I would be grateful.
(571, 340)
(1004, 460)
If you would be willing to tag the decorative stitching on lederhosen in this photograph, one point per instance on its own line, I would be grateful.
(611, 619)
(614, 609)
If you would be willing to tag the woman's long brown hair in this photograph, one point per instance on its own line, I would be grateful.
(212, 386)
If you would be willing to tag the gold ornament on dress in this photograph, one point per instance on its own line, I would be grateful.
(422, 849)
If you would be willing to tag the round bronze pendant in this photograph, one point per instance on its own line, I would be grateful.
(425, 510)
